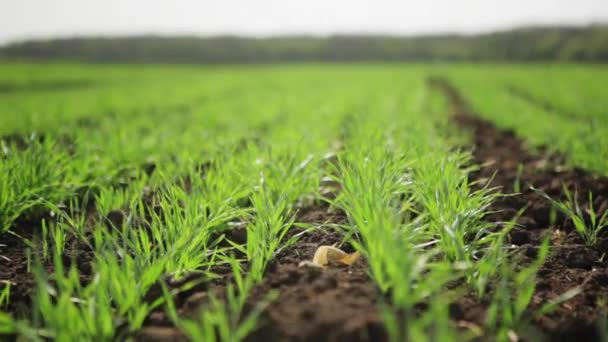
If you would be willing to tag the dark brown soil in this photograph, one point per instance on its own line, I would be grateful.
(17, 256)
(506, 161)
(13, 269)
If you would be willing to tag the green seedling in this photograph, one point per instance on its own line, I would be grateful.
(455, 211)
(5, 293)
(266, 234)
(587, 222)
(33, 178)
(7, 324)
(510, 306)
(380, 198)
(222, 319)
(517, 182)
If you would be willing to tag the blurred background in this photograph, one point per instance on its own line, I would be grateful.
(268, 31)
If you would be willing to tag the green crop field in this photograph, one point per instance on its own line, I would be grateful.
(187, 202)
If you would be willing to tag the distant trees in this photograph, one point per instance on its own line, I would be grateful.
(575, 44)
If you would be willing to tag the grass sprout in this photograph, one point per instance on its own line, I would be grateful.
(222, 319)
(455, 211)
(510, 306)
(5, 293)
(380, 204)
(587, 222)
(266, 234)
(34, 177)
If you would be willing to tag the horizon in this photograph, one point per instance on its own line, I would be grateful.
(165, 35)
(28, 20)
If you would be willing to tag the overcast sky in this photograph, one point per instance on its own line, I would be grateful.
(24, 19)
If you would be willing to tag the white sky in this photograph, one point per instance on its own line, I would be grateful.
(23, 19)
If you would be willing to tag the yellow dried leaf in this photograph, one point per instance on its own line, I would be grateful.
(326, 255)
(350, 259)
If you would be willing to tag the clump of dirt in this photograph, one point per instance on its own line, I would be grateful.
(507, 163)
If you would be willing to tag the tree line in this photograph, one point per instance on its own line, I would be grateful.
(567, 44)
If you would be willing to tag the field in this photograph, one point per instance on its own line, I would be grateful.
(454, 202)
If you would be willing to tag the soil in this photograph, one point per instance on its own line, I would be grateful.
(13, 269)
(505, 161)
(17, 256)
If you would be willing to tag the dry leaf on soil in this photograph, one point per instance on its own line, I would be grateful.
(326, 255)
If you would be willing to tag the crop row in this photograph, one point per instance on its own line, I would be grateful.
(133, 183)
